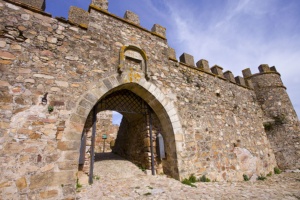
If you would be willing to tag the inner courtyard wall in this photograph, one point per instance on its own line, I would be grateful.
(47, 65)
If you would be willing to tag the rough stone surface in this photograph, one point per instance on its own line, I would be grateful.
(78, 16)
(103, 4)
(187, 59)
(159, 30)
(53, 73)
(40, 4)
(132, 17)
(120, 179)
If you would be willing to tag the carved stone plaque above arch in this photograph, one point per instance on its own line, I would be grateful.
(133, 58)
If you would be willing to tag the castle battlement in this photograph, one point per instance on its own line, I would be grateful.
(57, 74)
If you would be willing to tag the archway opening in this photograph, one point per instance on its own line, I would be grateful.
(139, 137)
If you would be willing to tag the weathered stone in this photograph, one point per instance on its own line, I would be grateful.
(67, 165)
(229, 76)
(52, 40)
(5, 184)
(103, 4)
(40, 4)
(132, 17)
(48, 194)
(217, 70)
(6, 55)
(51, 179)
(264, 68)
(159, 30)
(247, 73)
(24, 71)
(5, 62)
(21, 183)
(2, 44)
(67, 145)
(29, 81)
(4, 83)
(201, 117)
(43, 76)
(172, 53)
(187, 59)
(62, 84)
(203, 64)
(240, 80)
(78, 15)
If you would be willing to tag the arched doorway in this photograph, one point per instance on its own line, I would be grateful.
(145, 136)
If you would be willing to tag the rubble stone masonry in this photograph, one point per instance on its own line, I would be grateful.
(53, 71)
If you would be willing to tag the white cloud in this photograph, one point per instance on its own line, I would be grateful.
(241, 34)
(234, 34)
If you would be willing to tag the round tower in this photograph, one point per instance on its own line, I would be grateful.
(280, 119)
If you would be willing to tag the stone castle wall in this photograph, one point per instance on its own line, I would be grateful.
(53, 72)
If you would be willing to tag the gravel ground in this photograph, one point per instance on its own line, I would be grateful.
(120, 179)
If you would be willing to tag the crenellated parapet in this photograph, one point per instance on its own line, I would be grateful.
(216, 70)
(78, 16)
(81, 18)
(39, 4)
(266, 77)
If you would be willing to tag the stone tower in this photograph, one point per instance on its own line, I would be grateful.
(280, 119)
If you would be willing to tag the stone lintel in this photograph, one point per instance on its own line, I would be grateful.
(187, 59)
(240, 80)
(132, 17)
(103, 4)
(247, 72)
(158, 29)
(39, 4)
(172, 53)
(216, 69)
(264, 68)
(203, 64)
(229, 76)
(78, 15)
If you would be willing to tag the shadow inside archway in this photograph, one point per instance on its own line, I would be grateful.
(107, 156)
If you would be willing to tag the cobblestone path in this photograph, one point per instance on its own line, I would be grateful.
(120, 179)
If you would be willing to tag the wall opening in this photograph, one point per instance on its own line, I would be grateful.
(132, 141)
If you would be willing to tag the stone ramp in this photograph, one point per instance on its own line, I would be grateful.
(121, 179)
(109, 166)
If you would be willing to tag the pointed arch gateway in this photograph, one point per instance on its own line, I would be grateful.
(139, 102)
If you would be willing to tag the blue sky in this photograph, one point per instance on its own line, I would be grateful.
(235, 34)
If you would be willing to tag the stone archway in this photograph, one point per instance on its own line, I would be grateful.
(162, 107)
(136, 138)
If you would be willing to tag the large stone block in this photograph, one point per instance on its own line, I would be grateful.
(103, 4)
(216, 69)
(229, 76)
(39, 4)
(48, 194)
(172, 53)
(52, 179)
(132, 17)
(68, 145)
(160, 30)
(187, 59)
(247, 72)
(240, 80)
(264, 68)
(7, 55)
(78, 16)
(203, 64)
(21, 183)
